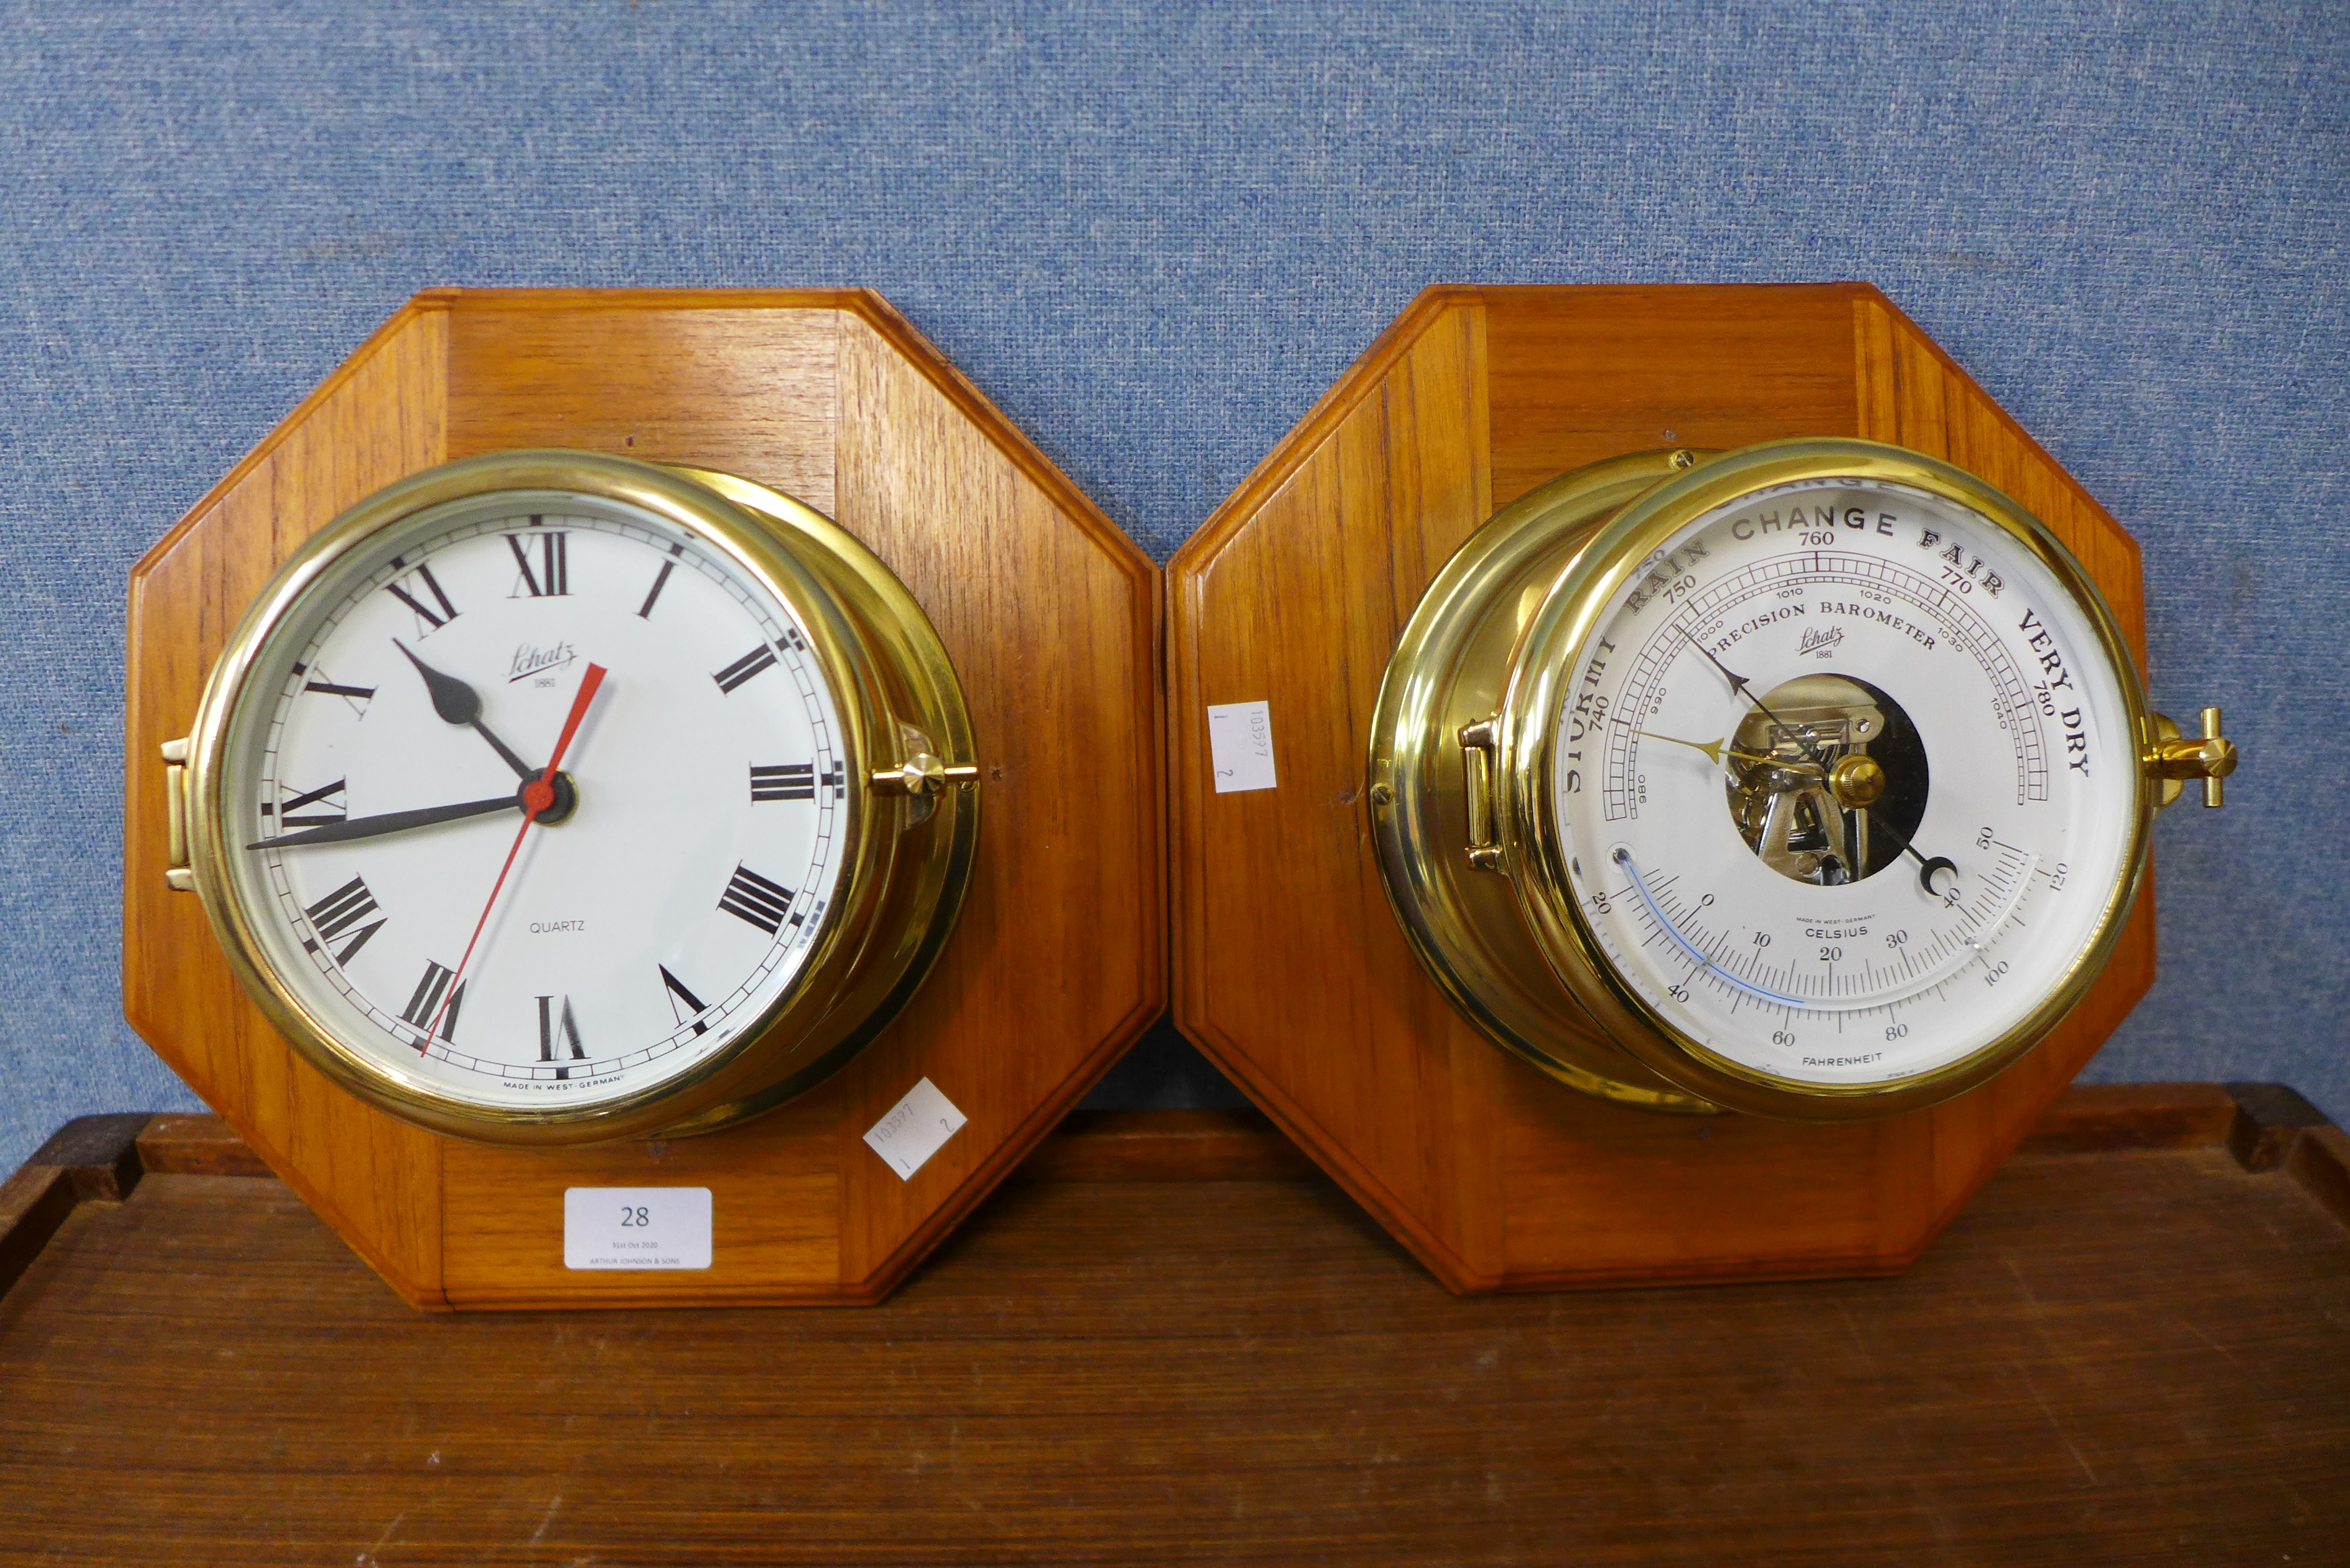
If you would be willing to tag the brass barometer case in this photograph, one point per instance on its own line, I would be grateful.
(1818, 776)
(901, 799)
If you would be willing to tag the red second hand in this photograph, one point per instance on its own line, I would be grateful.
(536, 796)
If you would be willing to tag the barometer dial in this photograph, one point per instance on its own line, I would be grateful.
(1845, 781)
(539, 799)
(1820, 775)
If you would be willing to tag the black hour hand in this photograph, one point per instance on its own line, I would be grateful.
(459, 704)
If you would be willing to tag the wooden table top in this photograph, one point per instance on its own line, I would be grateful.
(1168, 1343)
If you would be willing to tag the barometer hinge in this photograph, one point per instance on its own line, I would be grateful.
(2174, 759)
(922, 777)
(176, 876)
(1477, 748)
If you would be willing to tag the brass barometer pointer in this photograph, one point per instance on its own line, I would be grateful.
(1925, 867)
(1712, 749)
(459, 704)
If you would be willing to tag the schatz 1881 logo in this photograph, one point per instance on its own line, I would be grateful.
(1821, 644)
(530, 659)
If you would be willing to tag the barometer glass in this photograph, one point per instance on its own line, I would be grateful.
(1811, 779)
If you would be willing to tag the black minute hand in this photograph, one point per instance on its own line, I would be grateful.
(389, 821)
(457, 703)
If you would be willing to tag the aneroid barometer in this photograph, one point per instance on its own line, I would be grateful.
(549, 797)
(1811, 779)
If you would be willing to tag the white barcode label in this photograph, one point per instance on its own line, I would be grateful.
(917, 1127)
(1240, 745)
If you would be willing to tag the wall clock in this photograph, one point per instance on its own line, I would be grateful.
(1502, 716)
(823, 579)
(549, 797)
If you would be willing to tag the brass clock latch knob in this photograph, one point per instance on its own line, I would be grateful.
(2176, 758)
(176, 875)
(921, 774)
(922, 777)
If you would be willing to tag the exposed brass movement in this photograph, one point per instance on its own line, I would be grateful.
(1801, 779)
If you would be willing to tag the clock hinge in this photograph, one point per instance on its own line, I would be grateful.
(176, 876)
(1477, 747)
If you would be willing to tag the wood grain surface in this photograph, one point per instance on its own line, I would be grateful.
(1050, 614)
(2129, 1349)
(1291, 972)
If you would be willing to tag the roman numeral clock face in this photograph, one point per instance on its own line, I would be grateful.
(498, 934)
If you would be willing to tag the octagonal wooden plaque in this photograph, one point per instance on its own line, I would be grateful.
(1050, 614)
(1291, 971)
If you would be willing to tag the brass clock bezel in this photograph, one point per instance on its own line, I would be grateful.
(1599, 557)
(906, 860)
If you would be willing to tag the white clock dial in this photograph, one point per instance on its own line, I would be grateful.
(1845, 782)
(667, 895)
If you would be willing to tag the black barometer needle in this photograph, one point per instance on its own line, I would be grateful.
(1738, 684)
(457, 703)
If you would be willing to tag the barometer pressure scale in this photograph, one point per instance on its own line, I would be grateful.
(1812, 779)
(549, 797)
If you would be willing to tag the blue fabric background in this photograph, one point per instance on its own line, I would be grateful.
(1154, 233)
